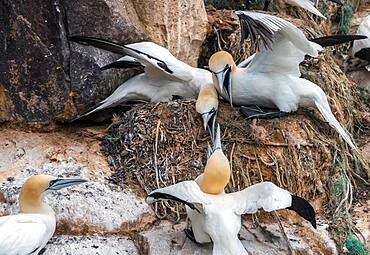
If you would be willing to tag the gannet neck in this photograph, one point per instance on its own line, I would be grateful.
(207, 99)
(216, 174)
(32, 194)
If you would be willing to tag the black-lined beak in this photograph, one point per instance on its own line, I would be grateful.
(224, 82)
(209, 122)
(58, 184)
(209, 151)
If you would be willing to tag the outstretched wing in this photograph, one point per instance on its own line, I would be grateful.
(281, 45)
(157, 60)
(308, 5)
(21, 234)
(186, 192)
(324, 41)
(270, 197)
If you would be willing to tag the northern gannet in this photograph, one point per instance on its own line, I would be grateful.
(271, 77)
(28, 232)
(165, 76)
(219, 216)
(213, 180)
(207, 106)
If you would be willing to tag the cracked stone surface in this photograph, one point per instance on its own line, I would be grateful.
(169, 239)
(90, 245)
(91, 207)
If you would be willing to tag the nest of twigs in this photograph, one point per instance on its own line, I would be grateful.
(153, 146)
(162, 144)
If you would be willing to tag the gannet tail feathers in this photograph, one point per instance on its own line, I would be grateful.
(102, 105)
(322, 104)
(304, 209)
(332, 40)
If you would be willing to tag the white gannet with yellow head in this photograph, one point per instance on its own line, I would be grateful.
(216, 216)
(213, 181)
(28, 232)
(271, 77)
(207, 106)
(217, 172)
(164, 75)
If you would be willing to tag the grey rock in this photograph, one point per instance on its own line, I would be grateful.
(90, 245)
(46, 78)
(169, 239)
(90, 207)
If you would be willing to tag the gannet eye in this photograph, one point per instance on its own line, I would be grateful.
(52, 182)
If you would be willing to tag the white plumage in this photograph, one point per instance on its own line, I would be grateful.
(216, 216)
(28, 232)
(25, 233)
(165, 76)
(219, 216)
(271, 77)
(307, 5)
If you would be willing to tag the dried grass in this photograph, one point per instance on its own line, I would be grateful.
(158, 145)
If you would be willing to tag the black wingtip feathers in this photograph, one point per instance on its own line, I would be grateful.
(304, 209)
(332, 40)
(159, 195)
(121, 64)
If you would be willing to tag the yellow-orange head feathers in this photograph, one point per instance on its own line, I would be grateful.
(216, 174)
(207, 106)
(30, 198)
(219, 60)
(207, 99)
(33, 190)
(217, 171)
(223, 67)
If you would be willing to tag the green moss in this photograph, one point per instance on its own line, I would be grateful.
(355, 247)
(343, 17)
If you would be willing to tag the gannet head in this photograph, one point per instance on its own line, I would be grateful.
(207, 106)
(221, 65)
(217, 171)
(35, 187)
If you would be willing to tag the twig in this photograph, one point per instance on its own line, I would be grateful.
(231, 165)
(290, 248)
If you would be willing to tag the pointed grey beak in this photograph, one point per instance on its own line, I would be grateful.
(217, 143)
(209, 121)
(209, 151)
(224, 83)
(58, 184)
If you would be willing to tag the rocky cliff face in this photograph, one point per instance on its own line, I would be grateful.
(46, 78)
